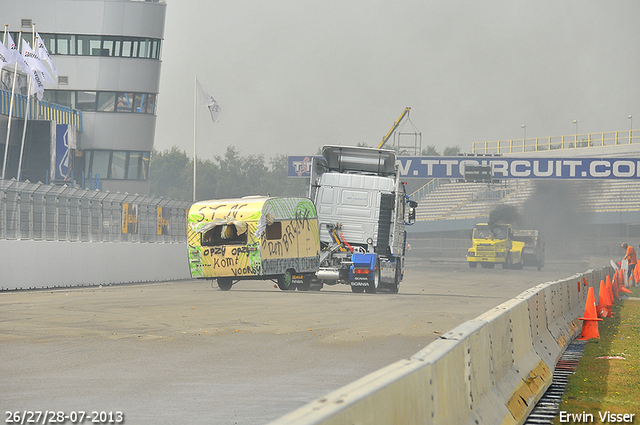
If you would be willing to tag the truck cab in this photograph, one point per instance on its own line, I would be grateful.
(362, 212)
(494, 244)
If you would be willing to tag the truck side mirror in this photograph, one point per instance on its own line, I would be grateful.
(412, 211)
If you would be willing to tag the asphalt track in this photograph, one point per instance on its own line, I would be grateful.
(186, 352)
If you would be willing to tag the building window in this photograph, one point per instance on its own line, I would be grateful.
(99, 164)
(133, 166)
(86, 100)
(91, 101)
(65, 44)
(99, 45)
(124, 102)
(117, 165)
(151, 104)
(144, 171)
(106, 101)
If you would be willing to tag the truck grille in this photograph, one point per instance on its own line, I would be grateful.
(485, 250)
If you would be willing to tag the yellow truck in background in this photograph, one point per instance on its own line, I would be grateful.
(501, 244)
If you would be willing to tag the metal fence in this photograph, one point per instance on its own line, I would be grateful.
(573, 141)
(61, 213)
(39, 110)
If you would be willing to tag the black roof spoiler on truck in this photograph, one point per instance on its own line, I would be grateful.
(358, 159)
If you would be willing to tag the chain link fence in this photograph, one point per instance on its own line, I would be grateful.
(62, 213)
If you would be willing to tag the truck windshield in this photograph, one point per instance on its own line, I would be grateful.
(481, 232)
(500, 232)
(485, 232)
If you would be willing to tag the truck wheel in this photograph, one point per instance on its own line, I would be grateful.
(473, 264)
(507, 263)
(225, 283)
(284, 281)
(393, 287)
(488, 265)
(373, 285)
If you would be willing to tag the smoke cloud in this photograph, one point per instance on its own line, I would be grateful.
(505, 214)
(558, 209)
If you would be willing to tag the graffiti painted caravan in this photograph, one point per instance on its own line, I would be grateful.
(254, 237)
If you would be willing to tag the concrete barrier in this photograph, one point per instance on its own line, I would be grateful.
(49, 264)
(489, 370)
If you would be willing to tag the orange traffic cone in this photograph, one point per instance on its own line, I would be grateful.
(622, 288)
(620, 279)
(590, 319)
(604, 306)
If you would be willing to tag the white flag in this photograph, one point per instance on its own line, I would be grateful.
(37, 72)
(6, 56)
(207, 100)
(12, 55)
(34, 62)
(43, 54)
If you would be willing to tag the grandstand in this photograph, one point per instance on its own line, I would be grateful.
(604, 213)
(583, 218)
(452, 200)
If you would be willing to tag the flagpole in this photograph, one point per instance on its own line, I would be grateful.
(24, 128)
(13, 92)
(26, 112)
(195, 127)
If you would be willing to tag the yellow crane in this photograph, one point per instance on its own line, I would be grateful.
(405, 113)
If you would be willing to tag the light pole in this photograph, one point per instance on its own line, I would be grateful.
(575, 141)
(576, 123)
(630, 127)
(524, 134)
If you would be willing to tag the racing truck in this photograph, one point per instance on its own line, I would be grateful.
(362, 210)
(499, 243)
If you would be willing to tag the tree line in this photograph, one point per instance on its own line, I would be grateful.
(228, 176)
(232, 175)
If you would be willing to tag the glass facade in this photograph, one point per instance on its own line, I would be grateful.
(103, 101)
(117, 165)
(98, 45)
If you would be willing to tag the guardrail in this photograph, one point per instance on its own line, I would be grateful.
(423, 190)
(489, 370)
(575, 141)
(36, 211)
(39, 110)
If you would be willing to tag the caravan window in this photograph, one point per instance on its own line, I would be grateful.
(224, 234)
(274, 231)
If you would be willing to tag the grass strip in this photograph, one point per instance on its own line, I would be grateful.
(607, 379)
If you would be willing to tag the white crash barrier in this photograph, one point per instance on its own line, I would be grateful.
(30, 264)
(489, 370)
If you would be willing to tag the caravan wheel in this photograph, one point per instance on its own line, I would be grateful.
(284, 281)
(225, 283)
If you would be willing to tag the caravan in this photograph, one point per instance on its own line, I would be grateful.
(255, 237)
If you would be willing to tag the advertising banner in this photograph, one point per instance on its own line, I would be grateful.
(65, 143)
(129, 218)
(502, 167)
(162, 221)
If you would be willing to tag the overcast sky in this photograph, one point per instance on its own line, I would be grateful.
(293, 75)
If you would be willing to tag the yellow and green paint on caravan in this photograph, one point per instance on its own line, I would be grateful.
(253, 236)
